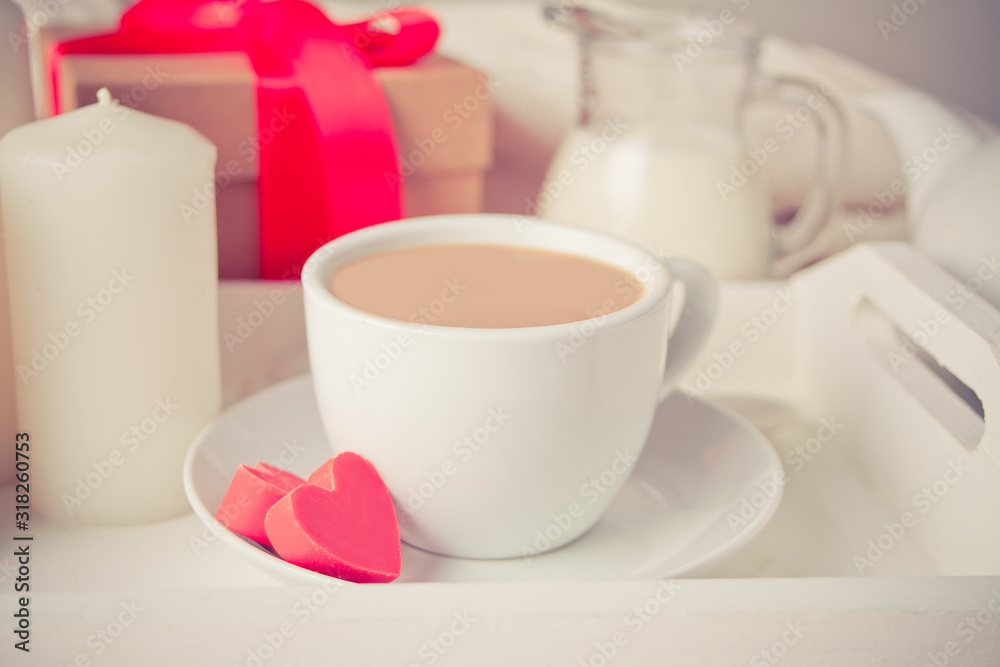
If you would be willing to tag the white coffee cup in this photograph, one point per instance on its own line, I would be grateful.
(498, 443)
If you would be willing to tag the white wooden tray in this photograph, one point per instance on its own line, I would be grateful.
(835, 579)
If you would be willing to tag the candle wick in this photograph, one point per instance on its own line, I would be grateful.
(104, 97)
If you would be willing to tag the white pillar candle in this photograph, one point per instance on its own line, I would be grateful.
(15, 109)
(114, 305)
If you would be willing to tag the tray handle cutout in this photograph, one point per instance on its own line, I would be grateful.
(952, 402)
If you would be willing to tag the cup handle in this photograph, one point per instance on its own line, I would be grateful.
(815, 211)
(701, 304)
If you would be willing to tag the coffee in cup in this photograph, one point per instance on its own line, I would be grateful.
(484, 286)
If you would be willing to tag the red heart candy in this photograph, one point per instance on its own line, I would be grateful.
(348, 531)
(250, 495)
(286, 480)
(323, 475)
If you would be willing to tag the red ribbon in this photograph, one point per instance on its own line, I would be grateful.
(330, 171)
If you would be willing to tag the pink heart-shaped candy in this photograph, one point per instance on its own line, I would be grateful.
(250, 495)
(342, 523)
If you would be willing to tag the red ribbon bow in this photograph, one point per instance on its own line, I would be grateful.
(331, 170)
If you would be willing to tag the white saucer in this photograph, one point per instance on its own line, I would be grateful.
(704, 486)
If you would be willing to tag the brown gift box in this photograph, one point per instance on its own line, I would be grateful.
(441, 109)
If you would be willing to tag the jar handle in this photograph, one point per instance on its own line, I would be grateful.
(828, 119)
